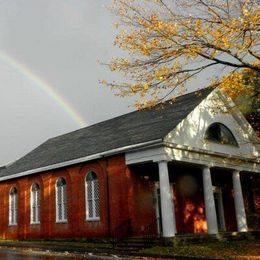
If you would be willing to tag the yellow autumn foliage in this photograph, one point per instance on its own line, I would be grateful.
(170, 42)
(234, 85)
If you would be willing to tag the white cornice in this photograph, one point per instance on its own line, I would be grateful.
(212, 153)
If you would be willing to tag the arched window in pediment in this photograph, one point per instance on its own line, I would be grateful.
(219, 133)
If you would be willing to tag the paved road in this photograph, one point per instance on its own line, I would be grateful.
(16, 254)
(6, 254)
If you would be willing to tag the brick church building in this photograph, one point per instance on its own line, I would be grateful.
(189, 166)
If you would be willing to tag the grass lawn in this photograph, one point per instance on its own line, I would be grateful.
(217, 250)
(247, 249)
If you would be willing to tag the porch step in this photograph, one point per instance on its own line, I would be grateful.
(222, 236)
(255, 234)
(194, 238)
(231, 236)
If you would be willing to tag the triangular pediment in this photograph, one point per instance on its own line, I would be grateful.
(216, 108)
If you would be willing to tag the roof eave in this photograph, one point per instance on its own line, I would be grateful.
(83, 159)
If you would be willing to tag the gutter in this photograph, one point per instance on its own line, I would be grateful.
(83, 159)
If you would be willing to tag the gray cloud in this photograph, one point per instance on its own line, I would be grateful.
(61, 42)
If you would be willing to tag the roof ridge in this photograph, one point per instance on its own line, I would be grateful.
(126, 114)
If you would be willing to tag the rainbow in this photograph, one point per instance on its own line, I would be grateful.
(45, 87)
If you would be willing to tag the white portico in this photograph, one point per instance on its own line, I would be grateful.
(213, 136)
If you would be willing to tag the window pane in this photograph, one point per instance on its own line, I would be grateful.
(38, 205)
(34, 215)
(65, 211)
(15, 214)
(35, 203)
(60, 195)
(61, 182)
(96, 189)
(35, 187)
(90, 209)
(89, 190)
(13, 210)
(64, 189)
(97, 208)
(226, 136)
(61, 200)
(64, 202)
(91, 176)
(59, 212)
(219, 133)
(92, 190)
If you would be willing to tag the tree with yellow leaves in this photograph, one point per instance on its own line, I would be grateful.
(244, 88)
(170, 42)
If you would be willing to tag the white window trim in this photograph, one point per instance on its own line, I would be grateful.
(15, 209)
(94, 218)
(37, 212)
(64, 218)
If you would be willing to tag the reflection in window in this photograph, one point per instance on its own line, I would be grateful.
(13, 206)
(219, 133)
(92, 197)
(35, 204)
(61, 200)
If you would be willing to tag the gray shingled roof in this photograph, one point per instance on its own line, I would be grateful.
(129, 129)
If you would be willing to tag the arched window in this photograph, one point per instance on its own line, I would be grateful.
(219, 133)
(92, 197)
(61, 200)
(35, 204)
(13, 206)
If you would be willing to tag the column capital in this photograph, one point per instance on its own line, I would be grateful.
(161, 158)
(162, 161)
(205, 166)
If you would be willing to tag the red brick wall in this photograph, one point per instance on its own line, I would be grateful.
(130, 196)
(141, 200)
(118, 191)
(77, 226)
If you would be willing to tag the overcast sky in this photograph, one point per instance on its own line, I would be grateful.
(60, 43)
(49, 46)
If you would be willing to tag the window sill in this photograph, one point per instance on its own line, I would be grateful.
(13, 225)
(35, 223)
(61, 221)
(222, 144)
(92, 219)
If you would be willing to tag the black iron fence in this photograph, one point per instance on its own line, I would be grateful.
(122, 232)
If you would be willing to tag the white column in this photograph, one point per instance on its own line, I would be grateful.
(239, 202)
(209, 202)
(167, 205)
